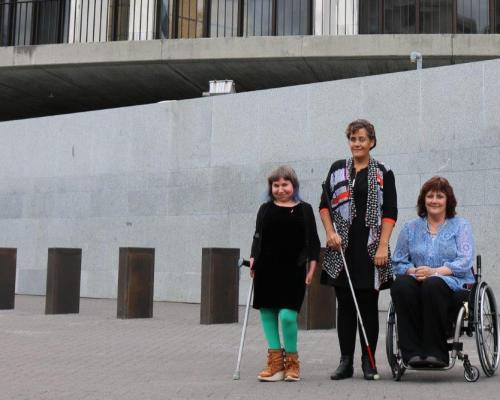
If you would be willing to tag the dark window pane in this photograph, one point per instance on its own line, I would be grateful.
(224, 18)
(399, 16)
(293, 17)
(258, 18)
(163, 21)
(497, 16)
(473, 16)
(6, 22)
(369, 16)
(120, 17)
(48, 18)
(436, 16)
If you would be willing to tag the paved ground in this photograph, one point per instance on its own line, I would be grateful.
(93, 355)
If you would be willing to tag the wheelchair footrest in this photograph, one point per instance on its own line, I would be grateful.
(458, 346)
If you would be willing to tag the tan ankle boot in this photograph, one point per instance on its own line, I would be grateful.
(275, 369)
(292, 367)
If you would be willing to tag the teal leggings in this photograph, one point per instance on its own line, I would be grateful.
(271, 317)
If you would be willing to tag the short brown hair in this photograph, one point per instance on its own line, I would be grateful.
(358, 124)
(437, 184)
(287, 173)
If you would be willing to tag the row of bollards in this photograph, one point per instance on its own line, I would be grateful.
(64, 265)
(220, 277)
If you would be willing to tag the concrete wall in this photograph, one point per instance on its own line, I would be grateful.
(180, 176)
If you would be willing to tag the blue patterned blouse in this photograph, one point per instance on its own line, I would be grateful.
(452, 247)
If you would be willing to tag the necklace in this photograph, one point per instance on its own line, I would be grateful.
(433, 229)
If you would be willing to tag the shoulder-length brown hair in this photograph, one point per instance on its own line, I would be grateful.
(437, 184)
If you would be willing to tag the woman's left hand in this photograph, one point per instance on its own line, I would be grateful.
(309, 277)
(381, 256)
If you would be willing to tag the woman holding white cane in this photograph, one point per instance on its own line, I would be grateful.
(362, 195)
(285, 251)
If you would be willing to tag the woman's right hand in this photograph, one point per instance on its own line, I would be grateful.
(252, 272)
(333, 240)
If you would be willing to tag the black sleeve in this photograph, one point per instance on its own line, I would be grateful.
(390, 206)
(258, 231)
(314, 244)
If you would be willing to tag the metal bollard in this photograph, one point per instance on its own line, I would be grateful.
(8, 259)
(135, 282)
(319, 308)
(219, 285)
(63, 281)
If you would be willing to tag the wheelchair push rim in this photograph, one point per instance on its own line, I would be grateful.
(486, 328)
(392, 347)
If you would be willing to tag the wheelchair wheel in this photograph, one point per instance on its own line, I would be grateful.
(486, 328)
(471, 374)
(391, 345)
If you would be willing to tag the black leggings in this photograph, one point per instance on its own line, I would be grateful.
(347, 319)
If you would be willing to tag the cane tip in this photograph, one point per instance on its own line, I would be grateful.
(236, 376)
(376, 377)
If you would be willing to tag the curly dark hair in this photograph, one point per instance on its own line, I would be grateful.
(358, 124)
(437, 184)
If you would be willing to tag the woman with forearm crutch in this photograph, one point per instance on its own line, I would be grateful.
(362, 196)
(284, 255)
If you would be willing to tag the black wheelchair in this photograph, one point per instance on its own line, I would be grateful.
(477, 315)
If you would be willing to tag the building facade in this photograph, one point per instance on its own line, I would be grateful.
(33, 22)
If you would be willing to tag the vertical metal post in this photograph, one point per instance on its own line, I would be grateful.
(274, 17)
(8, 258)
(63, 281)
(135, 282)
(241, 16)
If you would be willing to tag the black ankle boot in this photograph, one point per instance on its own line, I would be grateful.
(344, 370)
(369, 373)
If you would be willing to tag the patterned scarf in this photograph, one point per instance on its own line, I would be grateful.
(344, 213)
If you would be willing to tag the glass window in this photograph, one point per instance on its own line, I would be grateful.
(338, 17)
(224, 18)
(6, 12)
(473, 16)
(497, 16)
(436, 16)
(369, 16)
(399, 16)
(22, 23)
(120, 10)
(48, 19)
(293, 17)
(163, 19)
(258, 18)
(190, 18)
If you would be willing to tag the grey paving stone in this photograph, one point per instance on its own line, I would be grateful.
(95, 356)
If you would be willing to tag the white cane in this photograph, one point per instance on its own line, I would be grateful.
(236, 375)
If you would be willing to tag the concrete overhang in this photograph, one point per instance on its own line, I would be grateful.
(62, 78)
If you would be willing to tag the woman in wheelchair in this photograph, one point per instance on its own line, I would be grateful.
(432, 261)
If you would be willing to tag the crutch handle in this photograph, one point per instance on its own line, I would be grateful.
(242, 262)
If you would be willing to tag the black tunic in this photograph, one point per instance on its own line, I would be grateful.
(280, 268)
(361, 266)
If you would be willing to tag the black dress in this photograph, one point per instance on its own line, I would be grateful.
(280, 269)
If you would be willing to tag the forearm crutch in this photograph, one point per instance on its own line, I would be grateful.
(236, 375)
(368, 348)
